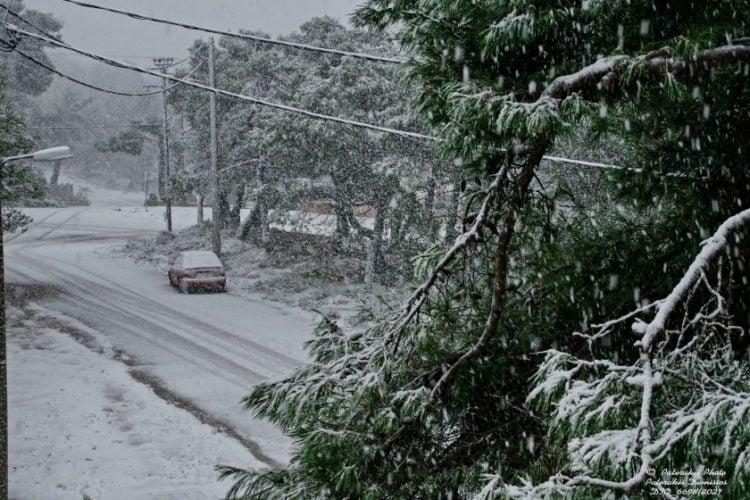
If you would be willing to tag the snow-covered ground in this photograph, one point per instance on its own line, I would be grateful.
(80, 424)
(201, 353)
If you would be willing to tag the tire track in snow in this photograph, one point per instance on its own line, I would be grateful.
(61, 224)
(103, 303)
(155, 334)
(142, 376)
(118, 293)
(187, 352)
(33, 224)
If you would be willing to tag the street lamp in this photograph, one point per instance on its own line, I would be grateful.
(50, 154)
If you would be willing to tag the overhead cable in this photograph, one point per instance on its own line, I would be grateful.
(292, 109)
(94, 87)
(225, 93)
(29, 23)
(244, 36)
(98, 127)
(592, 164)
(50, 35)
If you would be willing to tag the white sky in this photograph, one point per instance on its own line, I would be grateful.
(113, 34)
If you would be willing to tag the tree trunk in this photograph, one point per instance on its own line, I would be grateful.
(452, 219)
(430, 204)
(252, 221)
(199, 208)
(262, 204)
(264, 234)
(370, 262)
(55, 173)
(375, 263)
(377, 239)
(255, 225)
(233, 217)
(342, 224)
(342, 208)
(222, 210)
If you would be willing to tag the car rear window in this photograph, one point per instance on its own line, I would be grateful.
(200, 259)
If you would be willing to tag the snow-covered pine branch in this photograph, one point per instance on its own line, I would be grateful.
(500, 260)
(515, 117)
(363, 413)
(687, 400)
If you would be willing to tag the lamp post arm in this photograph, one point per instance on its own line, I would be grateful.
(5, 160)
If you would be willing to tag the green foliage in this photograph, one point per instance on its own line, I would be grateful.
(24, 78)
(14, 220)
(264, 153)
(585, 248)
(152, 200)
(128, 141)
(13, 139)
(19, 181)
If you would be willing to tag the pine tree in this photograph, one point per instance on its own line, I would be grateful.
(434, 400)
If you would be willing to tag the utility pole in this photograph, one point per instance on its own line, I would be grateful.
(215, 235)
(163, 63)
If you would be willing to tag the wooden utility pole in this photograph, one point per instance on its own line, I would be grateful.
(215, 235)
(3, 373)
(163, 63)
(264, 235)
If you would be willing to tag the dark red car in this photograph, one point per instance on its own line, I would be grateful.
(197, 269)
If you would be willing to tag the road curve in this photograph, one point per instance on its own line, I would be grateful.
(205, 351)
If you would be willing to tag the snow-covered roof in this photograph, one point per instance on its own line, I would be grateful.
(200, 258)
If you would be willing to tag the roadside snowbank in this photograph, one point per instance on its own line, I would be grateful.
(115, 439)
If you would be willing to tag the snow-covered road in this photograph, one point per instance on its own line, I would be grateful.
(201, 351)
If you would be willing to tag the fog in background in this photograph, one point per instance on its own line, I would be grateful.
(136, 41)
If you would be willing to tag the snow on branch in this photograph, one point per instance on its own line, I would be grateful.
(500, 273)
(472, 235)
(704, 406)
(609, 71)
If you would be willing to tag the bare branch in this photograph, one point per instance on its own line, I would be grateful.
(500, 263)
(418, 298)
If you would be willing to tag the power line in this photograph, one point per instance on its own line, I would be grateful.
(554, 159)
(26, 21)
(292, 109)
(92, 86)
(244, 36)
(253, 100)
(129, 56)
(97, 127)
(592, 164)
(46, 33)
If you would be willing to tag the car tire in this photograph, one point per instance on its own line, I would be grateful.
(183, 287)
